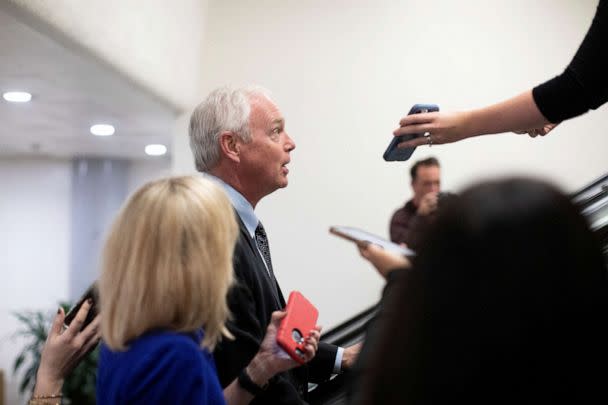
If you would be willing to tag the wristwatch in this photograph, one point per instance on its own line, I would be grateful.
(248, 385)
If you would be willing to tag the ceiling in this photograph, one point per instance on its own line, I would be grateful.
(71, 91)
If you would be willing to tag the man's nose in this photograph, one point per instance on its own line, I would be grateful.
(289, 143)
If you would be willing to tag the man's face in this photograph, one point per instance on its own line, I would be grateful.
(428, 180)
(264, 160)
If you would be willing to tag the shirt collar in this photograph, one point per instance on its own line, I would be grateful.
(240, 204)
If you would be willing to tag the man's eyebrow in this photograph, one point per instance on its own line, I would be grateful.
(278, 121)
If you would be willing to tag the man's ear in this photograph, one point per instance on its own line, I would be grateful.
(230, 145)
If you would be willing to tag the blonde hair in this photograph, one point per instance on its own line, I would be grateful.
(167, 262)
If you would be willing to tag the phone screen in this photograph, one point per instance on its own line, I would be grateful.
(393, 153)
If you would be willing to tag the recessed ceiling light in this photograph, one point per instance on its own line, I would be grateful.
(156, 150)
(17, 96)
(102, 130)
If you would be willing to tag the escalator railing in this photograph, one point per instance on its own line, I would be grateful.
(593, 202)
(345, 334)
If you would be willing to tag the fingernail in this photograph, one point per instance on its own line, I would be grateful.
(58, 310)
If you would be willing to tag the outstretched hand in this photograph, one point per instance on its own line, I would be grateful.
(447, 127)
(351, 353)
(440, 127)
(63, 350)
(383, 260)
(544, 130)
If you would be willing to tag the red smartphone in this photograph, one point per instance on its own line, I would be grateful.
(301, 318)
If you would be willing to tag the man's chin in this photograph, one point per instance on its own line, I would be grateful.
(279, 185)
(284, 182)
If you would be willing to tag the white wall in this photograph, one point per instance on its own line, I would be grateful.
(35, 212)
(34, 235)
(181, 159)
(157, 43)
(345, 72)
(142, 171)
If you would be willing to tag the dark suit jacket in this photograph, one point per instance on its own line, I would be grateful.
(252, 301)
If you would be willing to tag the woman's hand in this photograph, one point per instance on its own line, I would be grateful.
(64, 350)
(542, 131)
(519, 113)
(383, 260)
(438, 127)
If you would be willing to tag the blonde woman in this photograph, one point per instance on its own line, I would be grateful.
(167, 267)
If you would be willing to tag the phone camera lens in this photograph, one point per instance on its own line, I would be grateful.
(296, 335)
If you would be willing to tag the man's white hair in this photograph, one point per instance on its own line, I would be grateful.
(225, 109)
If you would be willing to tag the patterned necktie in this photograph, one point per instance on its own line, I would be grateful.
(262, 242)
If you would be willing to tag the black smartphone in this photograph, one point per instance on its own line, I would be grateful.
(393, 153)
(92, 293)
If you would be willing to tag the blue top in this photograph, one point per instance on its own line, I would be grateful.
(160, 367)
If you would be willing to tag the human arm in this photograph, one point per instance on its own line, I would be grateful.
(519, 113)
(269, 361)
(63, 351)
(428, 204)
(351, 353)
(542, 131)
(384, 261)
(408, 222)
(251, 302)
(582, 86)
(248, 326)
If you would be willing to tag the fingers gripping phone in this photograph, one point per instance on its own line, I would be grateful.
(393, 153)
(91, 293)
(301, 318)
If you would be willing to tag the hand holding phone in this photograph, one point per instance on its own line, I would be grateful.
(393, 153)
(92, 294)
(301, 318)
(64, 350)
